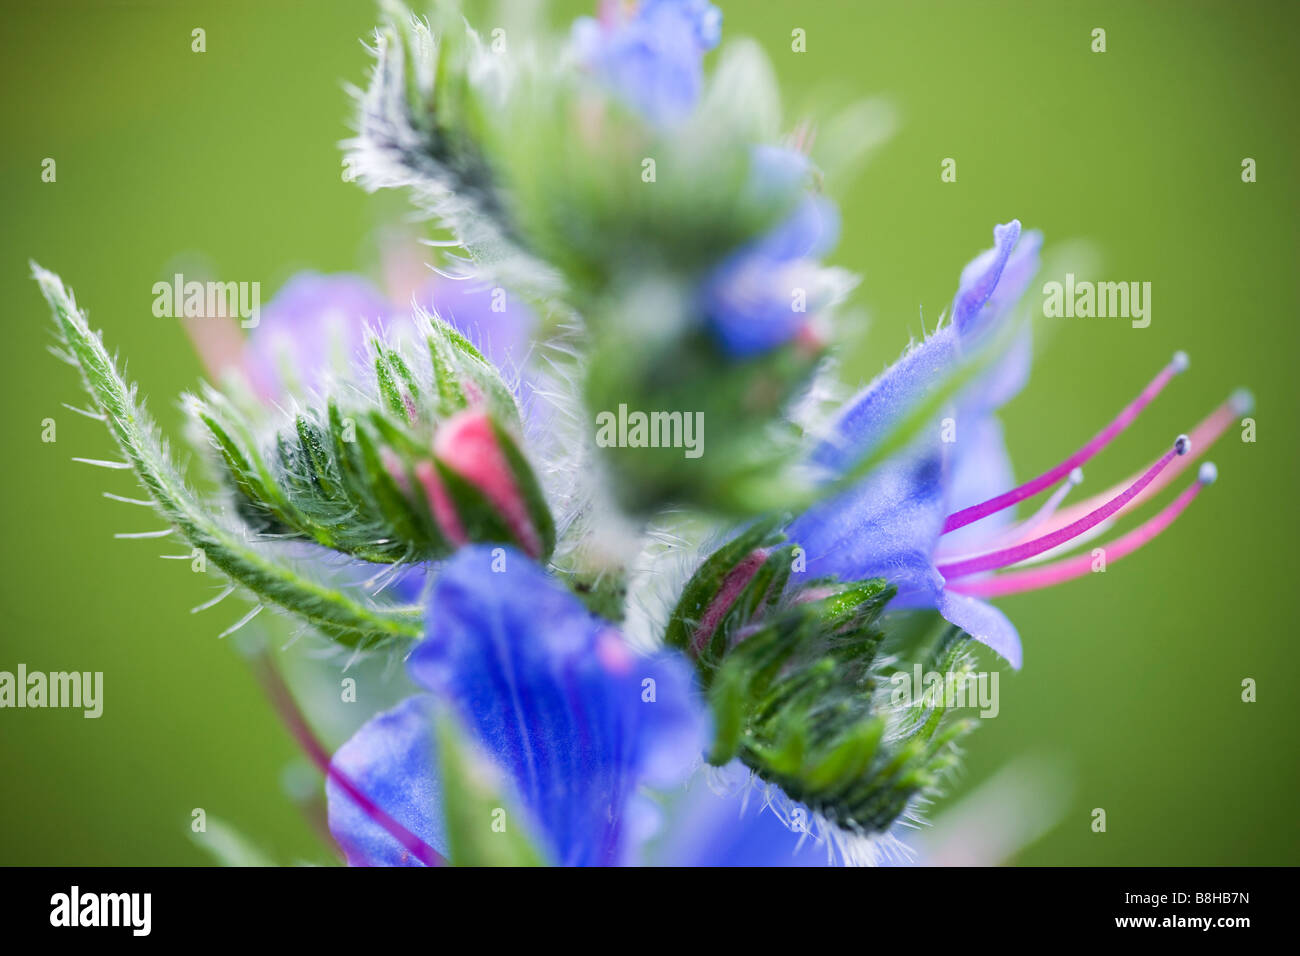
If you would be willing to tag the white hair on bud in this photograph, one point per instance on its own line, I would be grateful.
(841, 846)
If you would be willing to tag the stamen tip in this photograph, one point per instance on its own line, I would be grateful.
(1242, 402)
(1076, 476)
(1208, 473)
(1182, 444)
(1180, 361)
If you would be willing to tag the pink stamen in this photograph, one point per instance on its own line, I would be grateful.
(1021, 552)
(1044, 514)
(1205, 434)
(1021, 532)
(1099, 441)
(1017, 582)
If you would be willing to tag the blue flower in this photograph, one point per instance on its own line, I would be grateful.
(913, 519)
(889, 524)
(650, 59)
(316, 325)
(499, 324)
(575, 721)
(764, 294)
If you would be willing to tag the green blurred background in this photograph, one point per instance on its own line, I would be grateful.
(1132, 681)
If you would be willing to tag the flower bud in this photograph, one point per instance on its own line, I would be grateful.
(431, 464)
(792, 672)
(479, 486)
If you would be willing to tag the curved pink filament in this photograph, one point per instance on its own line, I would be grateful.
(1021, 530)
(293, 717)
(1043, 515)
(1099, 441)
(1012, 555)
(1068, 569)
(1206, 433)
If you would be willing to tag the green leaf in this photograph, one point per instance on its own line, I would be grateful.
(482, 830)
(539, 512)
(349, 620)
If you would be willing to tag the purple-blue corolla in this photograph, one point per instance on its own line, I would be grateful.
(934, 519)
(580, 726)
(650, 57)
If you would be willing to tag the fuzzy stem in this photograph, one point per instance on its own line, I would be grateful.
(342, 618)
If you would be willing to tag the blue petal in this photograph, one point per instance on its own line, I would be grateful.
(983, 622)
(314, 324)
(989, 286)
(704, 19)
(392, 759)
(885, 526)
(979, 468)
(1019, 271)
(980, 278)
(652, 60)
(870, 415)
(733, 828)
(555, 698)
(749, 297)
(1010, 373)
(888, 526)
(810, 231)
(1004, 380)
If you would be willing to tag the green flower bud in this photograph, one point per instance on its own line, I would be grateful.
(433, 463)
(796, 681)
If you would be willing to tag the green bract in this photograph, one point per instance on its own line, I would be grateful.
(352, 619)
(366, 478)
(796, 679)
